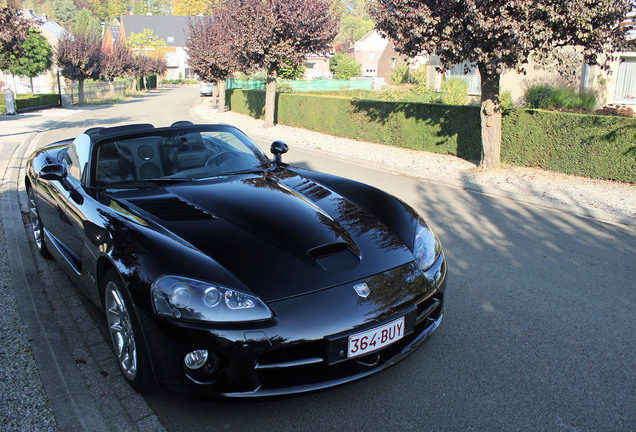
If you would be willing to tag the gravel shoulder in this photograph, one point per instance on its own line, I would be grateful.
(600, 199)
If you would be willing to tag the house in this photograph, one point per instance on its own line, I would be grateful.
(620, 84)
(111, 38)
(376, 55)
(171, 29)
(317, 66)
(43, 83)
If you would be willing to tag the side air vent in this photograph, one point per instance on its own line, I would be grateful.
(172, 209)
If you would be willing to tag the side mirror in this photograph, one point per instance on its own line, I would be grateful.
(54, 171)
(278, 148)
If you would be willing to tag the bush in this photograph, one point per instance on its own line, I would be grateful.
(179, 81)
(537, 96)
(505, 99)
(400, 74)
(585, 145)
(39, 100)
(546, 96)
(344, 67)
(454, 91)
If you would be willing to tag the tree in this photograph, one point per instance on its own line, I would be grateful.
(155, 7)
(190, 7)
(210, 52)
(36, 58)
(65, 12)
(117, 64)
(14, 30)
(344, 67)
(355, 21)
(292, 72)
(146, 42)
(86, 22)
(272, 34)
(79, 57)
(147, 49)
(352, 28)
(499, 35)
(116, 8)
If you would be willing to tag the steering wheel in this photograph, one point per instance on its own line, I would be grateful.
(219, 158)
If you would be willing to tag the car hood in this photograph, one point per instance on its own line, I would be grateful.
(280, 233)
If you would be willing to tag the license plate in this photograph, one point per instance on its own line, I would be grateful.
(374, 339)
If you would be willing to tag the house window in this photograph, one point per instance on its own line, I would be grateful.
(371, 55)
(170, 39)
(311, 65)
(172, 60)
(626, 80)
(472, 77)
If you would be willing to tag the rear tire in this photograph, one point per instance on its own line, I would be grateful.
(125, 334)
(37, 229)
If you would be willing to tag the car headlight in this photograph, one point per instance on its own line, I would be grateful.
(426, 246)
(190, 299)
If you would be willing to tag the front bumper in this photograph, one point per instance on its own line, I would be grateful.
(294, 352)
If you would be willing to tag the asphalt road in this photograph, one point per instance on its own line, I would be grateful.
(540, 331)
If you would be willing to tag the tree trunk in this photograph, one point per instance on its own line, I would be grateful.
(32, 89)
(111, 86)
(270, 97)
(221, 91)
(490, 119)
(80, 92)
(215, 92)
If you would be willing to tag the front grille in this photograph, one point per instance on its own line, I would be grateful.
(298, 365)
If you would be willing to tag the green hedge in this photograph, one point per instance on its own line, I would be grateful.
(22, 102)
(30, 101)
(428, 127)
(601, 147)
(593, 146)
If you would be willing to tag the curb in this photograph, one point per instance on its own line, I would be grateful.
(78, 369)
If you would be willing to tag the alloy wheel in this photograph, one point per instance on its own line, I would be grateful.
(36, 224)
(121, 330)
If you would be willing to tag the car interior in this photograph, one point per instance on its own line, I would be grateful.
(156, 157)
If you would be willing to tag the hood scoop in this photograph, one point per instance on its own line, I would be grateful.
(336, 256)
(172, 209)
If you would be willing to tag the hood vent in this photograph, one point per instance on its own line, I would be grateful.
(172, 209)
(334, 256)
(327, 250)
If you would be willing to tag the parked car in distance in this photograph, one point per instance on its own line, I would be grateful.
(222, 272)
(206, 88)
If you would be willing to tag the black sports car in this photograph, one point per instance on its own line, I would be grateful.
(224, 273)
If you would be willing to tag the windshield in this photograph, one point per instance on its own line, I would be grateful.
(170, 155)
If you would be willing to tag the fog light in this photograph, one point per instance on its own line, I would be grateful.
(196, 359)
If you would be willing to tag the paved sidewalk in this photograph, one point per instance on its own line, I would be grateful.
(56, 371)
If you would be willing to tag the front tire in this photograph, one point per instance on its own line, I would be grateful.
(125, 334)
(36, 226)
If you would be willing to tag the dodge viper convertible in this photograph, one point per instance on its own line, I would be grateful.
(224, 273)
